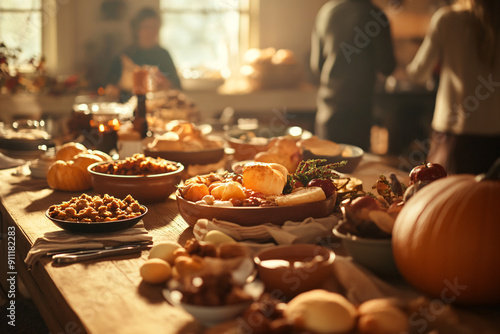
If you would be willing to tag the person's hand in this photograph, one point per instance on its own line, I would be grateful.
(159, 81)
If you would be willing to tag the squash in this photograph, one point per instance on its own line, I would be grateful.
(72, 175)
(67, 151)
(65, 175)
(446, 239)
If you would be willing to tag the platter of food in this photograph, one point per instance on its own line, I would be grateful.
(186, 143)
(96, 214)
(250, 216)
(262, 193)
(145, 178)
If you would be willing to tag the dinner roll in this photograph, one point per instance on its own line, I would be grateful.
(269, 179)
(321, 311)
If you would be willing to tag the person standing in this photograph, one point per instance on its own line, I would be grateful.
(464, 39)
(351, 44)
(144, 50)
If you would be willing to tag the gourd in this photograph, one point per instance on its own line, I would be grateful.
(446, 239)
(72, 175)
(69, 150)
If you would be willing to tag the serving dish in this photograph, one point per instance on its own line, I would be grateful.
(350, 153)
(293, 269)
(213, 315)
(187, 158)
(251, 216)
(373, 254)
(248, 142)
(97, 227)
(144, 188)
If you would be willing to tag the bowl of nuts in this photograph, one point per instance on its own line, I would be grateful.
(147, 179)
(96, 214)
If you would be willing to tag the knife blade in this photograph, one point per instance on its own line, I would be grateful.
(96, 254)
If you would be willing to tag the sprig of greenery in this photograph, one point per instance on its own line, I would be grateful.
(312, 169)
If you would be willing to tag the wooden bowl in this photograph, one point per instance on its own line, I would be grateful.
(251, 216)
(145, 189)
(276, 269)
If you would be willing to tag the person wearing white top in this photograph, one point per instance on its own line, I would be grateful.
(464, 41)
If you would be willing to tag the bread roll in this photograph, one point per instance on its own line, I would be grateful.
(321, 311)
(269, 179)
(381, 316)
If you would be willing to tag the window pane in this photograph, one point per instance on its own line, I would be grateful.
(22, 30)
(209, 40)
(21, 4)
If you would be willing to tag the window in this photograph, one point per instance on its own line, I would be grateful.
(205, 36)
(20, 28)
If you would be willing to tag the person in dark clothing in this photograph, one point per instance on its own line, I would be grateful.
(145, 50)
(351, 43)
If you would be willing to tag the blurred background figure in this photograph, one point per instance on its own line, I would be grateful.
(464, 40)
(145, 50)
(351, 43)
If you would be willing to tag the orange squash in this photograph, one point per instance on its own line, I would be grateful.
(72, 175)
(446, 239)
(65, 175)
(67, 151)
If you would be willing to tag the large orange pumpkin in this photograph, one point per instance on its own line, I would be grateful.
(446, 240)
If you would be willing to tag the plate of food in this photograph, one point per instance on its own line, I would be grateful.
(188, 144)
(96, 214)
(262, 193)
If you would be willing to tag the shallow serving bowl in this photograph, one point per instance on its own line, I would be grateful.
(145, 189)
(351, 154)
(186, 158)
(248, 142)
(250, 216)
(97, 227)
(373, 254)
(313, 266)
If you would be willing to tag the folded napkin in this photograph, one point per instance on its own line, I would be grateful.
(8, 162)
(311, 230)
(60, 241)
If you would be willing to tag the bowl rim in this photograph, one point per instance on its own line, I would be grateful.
(133, 177)
(354, 238)
(360, 151)
(326, 261)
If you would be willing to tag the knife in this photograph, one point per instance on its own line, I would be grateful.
(93, 250)
(96, 254)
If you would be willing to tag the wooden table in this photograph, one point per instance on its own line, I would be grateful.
(105, 296)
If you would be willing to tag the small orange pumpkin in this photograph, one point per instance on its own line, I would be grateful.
(72, 175)
(446, 239)
(69, 150)
(65, 175)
